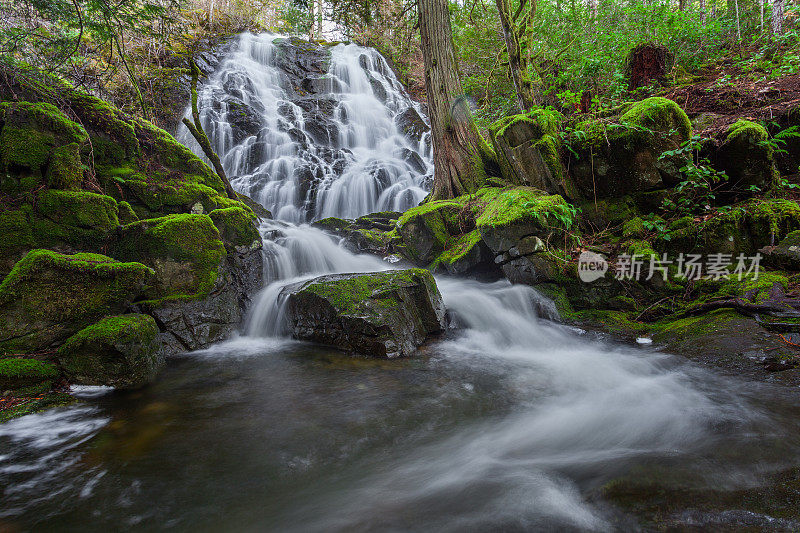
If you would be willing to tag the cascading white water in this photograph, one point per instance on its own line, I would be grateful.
(308, 143)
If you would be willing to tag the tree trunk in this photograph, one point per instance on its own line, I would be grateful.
(196, 129)
(777, 17)
(459, 151)
(515, 27)
(703, 12)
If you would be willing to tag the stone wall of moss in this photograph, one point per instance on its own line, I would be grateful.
(101, 214)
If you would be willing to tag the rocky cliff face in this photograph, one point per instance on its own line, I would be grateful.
(106, 216)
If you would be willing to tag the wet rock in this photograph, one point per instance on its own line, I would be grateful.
(413, 160)
(244, 120)
(378, 89)
(119, 351)
(321, 85)
(411, 124)
(300, 58)
(322, 131)
(49, 296)
(385, 314)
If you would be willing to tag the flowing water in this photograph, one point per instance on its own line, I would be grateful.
(508, 422)
(325, 145)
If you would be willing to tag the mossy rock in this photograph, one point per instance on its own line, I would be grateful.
(384, 314)
(616, 157)
(608, 212)
(787, 253)
(49, 296)
(119, 351)
(63, 220)
(514, 213)
(79, 209)
(746, 158)
(185, 251)
(659, 114)
(429, 229)
(36, 404)
(528, 150)
(16, 373)
(37, 141)
(468, 255)
(126, 215)
(237, 228)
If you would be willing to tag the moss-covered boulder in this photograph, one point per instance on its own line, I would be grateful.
(237, 229)
(515, 213)
(385, 314)
(623, 155)
(203, 280)
(427, 230)
(745, 227)
(18, 373)
(119, 351)
(746, 157)
(527, 147)
(49, 296)
(185, 251)
(468, 255)
(38, 141)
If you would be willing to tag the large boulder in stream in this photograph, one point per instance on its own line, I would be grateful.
(383, 314)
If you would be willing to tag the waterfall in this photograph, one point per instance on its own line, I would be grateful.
(313, 132)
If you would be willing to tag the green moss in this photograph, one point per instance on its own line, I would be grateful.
(616, 321)
(16, 234)
(335, 224)
(31, 132)
(776, 216)
(236, 226)
(170, 153)
(609, 211)
(460, 249)
(112, 328)
(126, 214)
(659, 114)
(16, 373)
(122, 351)
(642, 249)
(175, 194)
(539, 121)
(634, 228)
(525, 204)
(348, 295)
(47, 296)
(184, 249)
(746, 130)
(65, 170)
(79, 208)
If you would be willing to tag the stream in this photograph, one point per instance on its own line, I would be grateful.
(508, 422)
